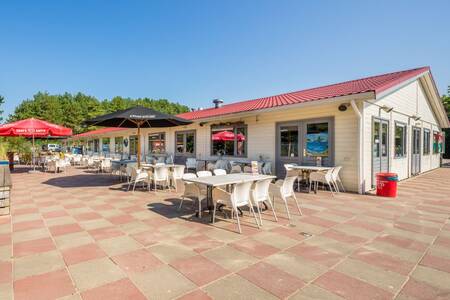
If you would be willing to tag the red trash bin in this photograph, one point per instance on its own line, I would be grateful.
(387, 184)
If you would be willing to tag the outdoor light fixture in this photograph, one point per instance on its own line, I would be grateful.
(387, 108)
(416, 117)
(343, 107)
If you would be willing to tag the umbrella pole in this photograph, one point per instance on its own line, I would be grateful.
(138, 150)
(34, 160)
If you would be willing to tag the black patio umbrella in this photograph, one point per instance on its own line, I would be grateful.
(137, 117)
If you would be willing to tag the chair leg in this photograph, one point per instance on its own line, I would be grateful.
(238, 222)
(342, 185)
(273, 210)
(254, 215)
(181, 203)
(214, 213)
(331, 188)
(129, 185)
(259, 212)
(298, 206)
(200, 208)
(287, 208)
(134, 185)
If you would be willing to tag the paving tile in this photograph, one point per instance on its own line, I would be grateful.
(384, 261)
(272, 279)
(235, 287)
(5, 272)
(37, 264)
(254, 248)
(119, 245)
(5, 252)
(200, 242)
(275, 240)
(316, 254)
(403, 242)
(385, 279)
(33, 247)
(27, 225)
(6, 291)
(230, 258)
(349, 287)
(414, 289)
(105, 233)
(195, 295)
(86, 275)
(117, 290)
(295, 265)
(82, 253)
(432, 277)
(94, 224)
(57, 284)
(137, 261)
(150, 237)
(5, 239)
(199, 269)
(313, 292)
(171, 252)
(32, 234)
(58, 230)
(55, 214)
(73, 240)
(162, 283)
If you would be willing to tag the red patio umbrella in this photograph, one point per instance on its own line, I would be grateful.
(227, 136)
(34, 128)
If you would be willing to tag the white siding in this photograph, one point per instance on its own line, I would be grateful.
(407, 101)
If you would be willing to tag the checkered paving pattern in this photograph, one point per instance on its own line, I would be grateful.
(79, 235)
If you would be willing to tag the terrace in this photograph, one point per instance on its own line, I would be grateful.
(80, 235)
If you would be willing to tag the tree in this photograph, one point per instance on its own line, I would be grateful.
(446, 101)
(2, 101)
(71, 110)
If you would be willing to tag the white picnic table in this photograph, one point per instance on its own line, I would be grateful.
(310, 168)
(220, 180)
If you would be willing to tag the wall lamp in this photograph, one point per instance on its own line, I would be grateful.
(416, 117)
(387, 108)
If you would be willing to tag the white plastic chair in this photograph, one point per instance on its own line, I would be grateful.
(191, 190)
(177, 174)
(238, 198)
(284, 189)
(161, 176)
(236, 169)
(106, 165)
(191, 163)
(136, 176)
(204, 173)
(260, 193)
(219, 172)
(337, 179)
(322, 177)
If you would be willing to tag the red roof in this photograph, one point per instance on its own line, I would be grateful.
(98, 131)
(374, 84)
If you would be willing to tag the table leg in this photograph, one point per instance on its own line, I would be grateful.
(209, 201)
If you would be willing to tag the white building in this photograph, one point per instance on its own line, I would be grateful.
(391, 122)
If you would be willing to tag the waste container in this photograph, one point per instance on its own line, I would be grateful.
(387, 184)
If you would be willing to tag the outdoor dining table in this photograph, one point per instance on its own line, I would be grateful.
(309, 169)
(222, 180)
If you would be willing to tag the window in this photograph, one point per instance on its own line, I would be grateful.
(400, 140)
(96, 145)
(317, 141)
(105, 145)
(185, 143)
(289, 141)
(426, 141)
(157, 143)
(133, 145)
(229, 140)
(437, 142)
(118, 144)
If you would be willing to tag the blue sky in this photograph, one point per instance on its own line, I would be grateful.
(195, 51)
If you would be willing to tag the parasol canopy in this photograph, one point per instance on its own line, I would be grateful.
(33, 128)
(227, 136)
(137, 117)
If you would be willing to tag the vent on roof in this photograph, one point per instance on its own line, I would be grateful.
(217, 103)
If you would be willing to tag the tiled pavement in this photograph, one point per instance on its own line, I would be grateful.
(78, 235)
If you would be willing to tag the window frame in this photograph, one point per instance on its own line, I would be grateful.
(235, 126)
(159, 139)
(426, 146)
(405, 139)
(108, 143)
(116, 143)
(436, 148)
(133, 137)
(185, 133)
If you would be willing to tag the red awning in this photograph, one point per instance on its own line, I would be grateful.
(33, 128)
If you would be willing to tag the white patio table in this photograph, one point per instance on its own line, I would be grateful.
(308, 170)
(214, 181)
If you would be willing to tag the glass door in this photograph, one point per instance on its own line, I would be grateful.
(380, 147)
(317, 137)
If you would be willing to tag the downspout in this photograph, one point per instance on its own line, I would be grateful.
(360, 147)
